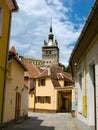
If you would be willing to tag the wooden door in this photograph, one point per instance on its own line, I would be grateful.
(18, 106)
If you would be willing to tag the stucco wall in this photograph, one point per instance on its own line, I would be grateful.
(16, 79)
(31, 101)
(25, 100)
(47, 90)
(90, 58)
(3, 48)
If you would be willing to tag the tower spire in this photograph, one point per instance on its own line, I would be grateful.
(50, 36)
(51, 24)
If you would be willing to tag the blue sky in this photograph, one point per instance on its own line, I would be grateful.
(30, 25)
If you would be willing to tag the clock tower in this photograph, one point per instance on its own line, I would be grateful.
(50, 50)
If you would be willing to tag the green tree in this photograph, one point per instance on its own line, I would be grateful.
(67, 68)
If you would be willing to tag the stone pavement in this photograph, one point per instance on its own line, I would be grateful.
(45, 121)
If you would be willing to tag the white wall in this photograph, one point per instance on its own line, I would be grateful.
(91, 58)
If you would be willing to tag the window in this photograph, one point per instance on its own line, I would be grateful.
(49, 52)
(80, 96)
(67, 83)
(47, 99)
(46, 51)
(42, 99)
(41, 82)
(1, 19)
(80, 81)
(39, 99)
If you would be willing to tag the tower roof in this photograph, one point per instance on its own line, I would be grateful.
(50, 36)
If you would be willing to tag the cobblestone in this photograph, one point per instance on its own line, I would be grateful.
(45, 121)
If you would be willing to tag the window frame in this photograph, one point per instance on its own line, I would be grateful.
(43, 99)
(41, 82)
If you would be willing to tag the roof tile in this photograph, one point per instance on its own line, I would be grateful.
(33, 71)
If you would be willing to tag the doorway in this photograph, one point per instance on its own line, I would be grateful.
(93, 94)
(65, 101)
(17, 106)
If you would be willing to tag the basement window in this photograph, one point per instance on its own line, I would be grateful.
(1, 19)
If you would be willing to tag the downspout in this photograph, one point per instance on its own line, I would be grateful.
(5, 73)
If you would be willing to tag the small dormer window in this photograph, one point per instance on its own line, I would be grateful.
(1, 19)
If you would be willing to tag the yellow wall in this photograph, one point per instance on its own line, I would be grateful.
(47, 90)
(3, 49)
(15, 79)
(31, 100)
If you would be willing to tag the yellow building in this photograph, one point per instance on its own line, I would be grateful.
(15, 102)
(30, 79)
(53, 91)
(84, 66)
(6, 8)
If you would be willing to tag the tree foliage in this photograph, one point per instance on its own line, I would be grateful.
(67, 68)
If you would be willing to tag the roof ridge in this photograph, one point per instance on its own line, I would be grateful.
(42, 72)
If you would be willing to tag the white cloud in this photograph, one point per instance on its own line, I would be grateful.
(18, 45)
(30, 27)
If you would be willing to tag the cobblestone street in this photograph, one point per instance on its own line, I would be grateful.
(42, 121)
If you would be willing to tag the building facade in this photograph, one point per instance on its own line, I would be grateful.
(50, 50)
(53, 92)
(84, 66)
(30, 81)
(6, 8)
(15, 105)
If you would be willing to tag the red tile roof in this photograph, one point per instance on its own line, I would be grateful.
(12, 56)
(33, 71)
(55, 73)
(44, 73)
